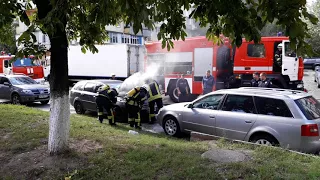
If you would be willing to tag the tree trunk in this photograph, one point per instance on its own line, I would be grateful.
(59, 124)
(59, 88)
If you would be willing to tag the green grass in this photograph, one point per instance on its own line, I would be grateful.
(146, 156)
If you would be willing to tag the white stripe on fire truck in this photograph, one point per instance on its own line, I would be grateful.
(214, 68)
(252, 68)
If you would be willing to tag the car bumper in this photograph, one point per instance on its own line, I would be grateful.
(34, 98)
(310, 146)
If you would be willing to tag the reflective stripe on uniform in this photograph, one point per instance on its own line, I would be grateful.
(132, 101)
(112, 116)
(100, 113)
(152, 115)
(154, 92)
(130, 119)
(138, 119)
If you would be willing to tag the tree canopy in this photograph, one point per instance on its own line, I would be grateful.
(86, 19)
(314, 29)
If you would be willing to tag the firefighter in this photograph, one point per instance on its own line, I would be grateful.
(264, 81)
(255, 81)
(183, 89)
(154, 97)
(135, 98)
(278, 55)
(113, 76)
(105, 99)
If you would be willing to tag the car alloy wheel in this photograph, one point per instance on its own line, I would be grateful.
(16, 99)
(171, 127)
(264, 142)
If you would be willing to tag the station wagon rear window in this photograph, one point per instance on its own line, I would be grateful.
(310, 107)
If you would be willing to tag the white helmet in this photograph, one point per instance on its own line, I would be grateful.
(280, 45)
(113, 74)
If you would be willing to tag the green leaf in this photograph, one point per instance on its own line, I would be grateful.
(83, 50)
(163, 43)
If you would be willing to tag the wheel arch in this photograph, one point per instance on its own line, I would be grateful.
(263, 131)
(170, 114)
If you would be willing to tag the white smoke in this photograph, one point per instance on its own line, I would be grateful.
(139, 78)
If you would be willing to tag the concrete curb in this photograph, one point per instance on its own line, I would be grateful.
(195, 136)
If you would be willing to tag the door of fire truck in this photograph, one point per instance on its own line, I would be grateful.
(7, 66)
(290, 62)
(203, 59)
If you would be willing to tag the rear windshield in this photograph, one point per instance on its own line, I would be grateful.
(310, 107)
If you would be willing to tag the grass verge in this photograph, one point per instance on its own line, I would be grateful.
(115, 154)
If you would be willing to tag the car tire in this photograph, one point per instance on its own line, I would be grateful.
(78, 108)
(265, 139)
(15, 99)
(171, 126)
(44, 102)
(173, 93)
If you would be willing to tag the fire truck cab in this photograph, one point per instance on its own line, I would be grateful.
(21, 66)
(231, 67)
(250, 58)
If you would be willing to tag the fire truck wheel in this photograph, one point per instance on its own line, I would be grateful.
(78, 108)
(44, 102)
(173, 93)
(15, 99)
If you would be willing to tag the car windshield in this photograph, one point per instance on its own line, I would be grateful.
(115, 85)
(22, 80)
(23, 62)
(310, 107)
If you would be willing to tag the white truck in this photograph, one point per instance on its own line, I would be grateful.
(120, 59)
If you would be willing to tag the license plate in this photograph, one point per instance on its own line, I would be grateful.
(43, 96)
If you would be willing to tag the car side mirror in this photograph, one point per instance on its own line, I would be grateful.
(190, 106)
(6, 84)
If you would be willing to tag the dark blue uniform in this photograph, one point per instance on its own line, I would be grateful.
(183, 86)
(207, 83)
(255, 83)
(265, 83)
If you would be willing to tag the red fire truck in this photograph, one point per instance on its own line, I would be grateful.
(21, 66)
(232, 67)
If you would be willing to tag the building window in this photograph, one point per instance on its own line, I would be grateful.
(43, 38)
(256, 50)
(113, 37)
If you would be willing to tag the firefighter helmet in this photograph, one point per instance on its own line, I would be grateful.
(104, 87)
(280, 45)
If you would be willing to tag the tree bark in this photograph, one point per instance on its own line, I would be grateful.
(59, 123)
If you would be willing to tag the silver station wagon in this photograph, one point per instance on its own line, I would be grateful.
(280, 117)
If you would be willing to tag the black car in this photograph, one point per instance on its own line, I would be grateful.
(83, 93)
(21, 89)
(311, 63)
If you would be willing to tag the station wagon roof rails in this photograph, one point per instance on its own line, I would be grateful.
(273, 89)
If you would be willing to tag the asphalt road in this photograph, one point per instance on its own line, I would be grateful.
(310, 85)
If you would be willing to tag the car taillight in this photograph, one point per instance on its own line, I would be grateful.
(309, 130)
(305, 90)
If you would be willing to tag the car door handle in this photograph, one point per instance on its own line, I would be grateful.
(248, 122)
(285, 69)
(212, 117)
